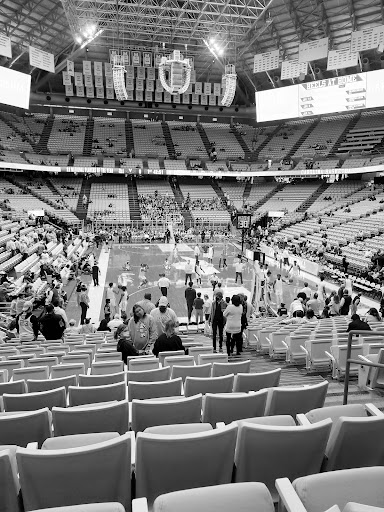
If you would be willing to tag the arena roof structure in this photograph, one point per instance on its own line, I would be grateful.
(242, 28)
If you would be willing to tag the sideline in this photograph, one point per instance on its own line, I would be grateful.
(96, 293)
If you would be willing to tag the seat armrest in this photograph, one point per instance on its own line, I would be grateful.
(268, 341)
(305, 350)
(330, 356)
(285, 345)
(32, 446)
(288, 496)
(302, 420)
(133, 451)
(372, 410)
(220, 424)
(140, 505)
(364, 358)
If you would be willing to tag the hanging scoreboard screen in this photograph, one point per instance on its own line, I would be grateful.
(338, 94)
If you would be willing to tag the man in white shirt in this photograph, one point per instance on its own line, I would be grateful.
(197, 252)
(114, 324)
(239, 267)
(189, 268)
(306, 290)
(278, 289)
(162, 314)
(163, 283)
(296, 305)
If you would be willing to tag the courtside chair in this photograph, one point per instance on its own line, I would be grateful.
(229, 407)
(245, 382)
(295, 400)
(196, 351)
(149, 375)
(23, 427)
(102, 379)
(148, 363)
(212, 358)
(169, 353)
(160, 389)
(38, 372)
(35, 401)
(202, 370)
(43, 361)
(111, 417)
(149, 413)
(66, 370)
(224, 498)
(92, 474)
(179, 360)
(196, 385)
(167, 463)
(10, 487)
(220, 369)
(316, 493)
(35, 386)
(279, 452)
(77, 440)
(107, 367)
(94, 394)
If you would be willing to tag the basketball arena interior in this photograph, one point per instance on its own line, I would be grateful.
(191, 255)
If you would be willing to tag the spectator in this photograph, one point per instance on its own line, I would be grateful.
(95, 274)
(310, 317)
(103, 327)
(87, 327)
(84, 303)
(111, 295)
(296, 306)
(141, 329)
(314, 305)
(306, 290)
(355, 303)
(169, 340)
(162, 314)
(357, 324)
(372, 316)
(239, 267)
(57, 304)
(334, 306)
(190, 296)
(207, 312)
(71, 329)
(282, 311)
(107, 310)
(188, 271)
(233, 314)
(198, 304)
(345, 303)
(147, 303)
(123, 302)
(217, 320)
(164, 283)
(115, 322)
(27, 324)
(51, 325)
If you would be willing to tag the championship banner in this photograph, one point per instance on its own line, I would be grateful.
(5, 46)
(109, 82)
(158, 96)
(112, 53)
(130, 95)
(186, 98)
(367, 39)
(98, 68)
(198, 88)
(193, 77)
(176, 98)
(148, 96)
(99, 81)
(207, 88)
(42, 60)
(71, 68)
(265, 62)
(136, 58)
(340, 59)
(108, 69)
(313, 50)
(147, 59)
(217, 89)
(139, 95)
(100, 92)
(110, 94)
(293, 69)
(158, 57)
(191, 61)
(129, 84)
(139, 84)
(159, 87)
(204, 99)
(87, 67)
(69, 90)
(150, 85)
(130, 71)
(78, 78)
(126, 55)
(195, 99)
(88, 80)
(66, 78)
(189, 90)
(90, 92)
(141, 73)
(212, 100)
(151, 73)
(167, 97)
(80, 91)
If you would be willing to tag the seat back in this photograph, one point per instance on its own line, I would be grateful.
(179, 360)
(25, 427)
(220, 369)
(282, 452)
(196, 351)
(94, 394)
(149, 375)
(37, 351)
(49, 477)
(36, 386)
(10, 366)
(245, 382)
(101, 380)
(356, 350)
(202, 370)
(233, 406)
(149, 413)
(169, 353)
(10, 487)
(77, 440)
(176, 461)
(147, 363)
(372, 348)
(43, 361)
(38, 372)
(107, 367)
(196, 385)
(35, 401)
(3, 376)
(66, 370)
(317, 351)
(292, 401)
(111, 417)
(146, 390)
(105, 357)
(77, 359)
(335, 412)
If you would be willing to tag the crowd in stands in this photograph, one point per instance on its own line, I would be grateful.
(159, 207)
(207, 203)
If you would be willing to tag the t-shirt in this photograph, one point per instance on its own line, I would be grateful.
(239, 266)
(165, 343)
(164, 282)
(198, 303)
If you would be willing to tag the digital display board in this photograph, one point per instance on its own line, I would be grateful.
(15, 88)
(338, 94)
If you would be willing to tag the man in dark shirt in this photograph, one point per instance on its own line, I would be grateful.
(95, 274)
(190, 296)
(52, 325)
(216, 319)
(357, 324)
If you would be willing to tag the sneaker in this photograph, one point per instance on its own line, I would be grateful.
(215, 351)
(220, 350)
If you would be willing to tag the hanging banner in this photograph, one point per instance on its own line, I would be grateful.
(141, 73)
(367, 39)
(107, 69)
(139, 95)
(5, 46)
(112, 53)
(69, 90)
(151, 74)
(80, 91)
(71, 68)
(87, 67)
(186, 98)
(90, 92)
(109, 82)
(198, 88)
(158, 57)
(340, 59)
(136, 58)
(313, 50)
(110, 94)
(78, 78)
(130, 72)
(99, 81)
(130, 95)
(150, 85)
(88, 80)
(147, 59)
(42, 60)
(98, 68)
(130, 84)
(217, 89)
(204, 99)
(293, 69)
(266, 61)
(100, 92)
(158, 96)
(167, 97)
(126, 57)
(66, 78)
(195, 99)
(148, 96)
(212, 99)
(139, 84)
(207, 88)
(176, 98)
(189, 90)
(193, 77)
(159, 87)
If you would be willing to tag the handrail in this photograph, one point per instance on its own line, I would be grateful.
(353, 361)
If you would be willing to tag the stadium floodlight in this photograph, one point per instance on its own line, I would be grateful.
(118, 71)
(178, 71)
(229, 80)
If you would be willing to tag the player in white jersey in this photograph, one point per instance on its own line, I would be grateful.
(278, 288)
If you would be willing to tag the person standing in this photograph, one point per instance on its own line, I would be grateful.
(198, 272)
(198, 304)
(123, 302)
(164, 283)
(141, 329)
(207, 313)
(223, 257)
(27, 325)
(190, 296)
(278, 288)
(216, 320)
(111, 295)
(345, 303)
(210, 254)
(294, 273)
(321, 290)
(84, 303)
(162, 314)
(239, 267)
(188, 272)
(233, 314)
(95, 273)
(197, 252)
(147, 303)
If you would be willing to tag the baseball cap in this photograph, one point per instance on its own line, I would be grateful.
(72, 321)
(163, 301)
(27, 305)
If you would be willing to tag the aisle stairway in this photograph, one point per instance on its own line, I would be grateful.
(168, 140)
(204, 138)
(16, 130)
(129, 136)
(133, 198)
(88, 138)
(247, 190)
(41, 146)
(188, 219)
(350, 126)
(81, 211)
(309, 202)
(302, 139)
(266, 141)
(216, 187)
(241, 141)
(278, 187)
